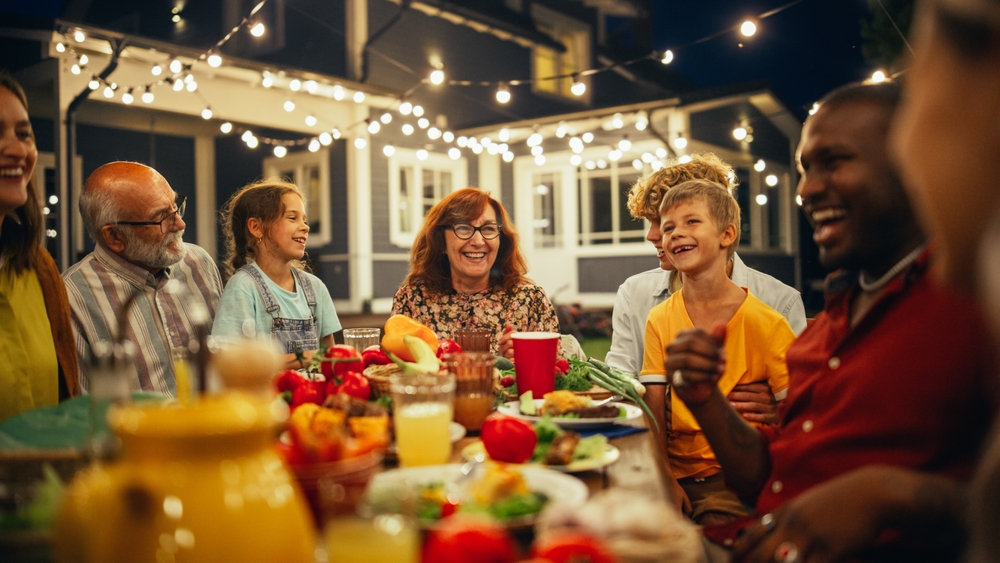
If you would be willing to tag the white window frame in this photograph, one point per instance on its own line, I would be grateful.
(613, 172)
(408, 158)
(275, 167)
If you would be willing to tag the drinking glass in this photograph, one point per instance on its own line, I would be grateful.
(535, 358)
(474, 394)
(422, 411)
(361, 338)
(473, 339)
(379, 529)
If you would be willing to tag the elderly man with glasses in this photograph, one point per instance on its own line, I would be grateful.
(137, 222)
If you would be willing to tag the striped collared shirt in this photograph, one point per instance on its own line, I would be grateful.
(158, 322)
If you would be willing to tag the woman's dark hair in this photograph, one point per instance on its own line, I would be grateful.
(21, 232)
(262, 201)
(429, 258)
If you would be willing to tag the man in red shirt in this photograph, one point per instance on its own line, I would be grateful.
(894, 373)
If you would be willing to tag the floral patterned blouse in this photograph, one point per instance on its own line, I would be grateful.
(525, 307)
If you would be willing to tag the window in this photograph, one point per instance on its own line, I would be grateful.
(415, 186)
(604, 216)
(575, 36)
(545, 205)
(310, 171)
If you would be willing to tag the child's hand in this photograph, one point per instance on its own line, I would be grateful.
(695, 362)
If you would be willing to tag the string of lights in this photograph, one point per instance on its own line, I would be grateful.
(182, 78)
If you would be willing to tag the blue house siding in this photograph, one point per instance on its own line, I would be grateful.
(387, 277)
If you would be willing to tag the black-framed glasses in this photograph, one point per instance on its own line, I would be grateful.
(466, 231)
(166, 222)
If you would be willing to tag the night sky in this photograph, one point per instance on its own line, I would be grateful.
(804, 51)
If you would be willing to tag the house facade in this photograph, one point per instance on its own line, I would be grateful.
(338, 96)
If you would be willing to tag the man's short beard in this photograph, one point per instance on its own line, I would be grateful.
(157, 256)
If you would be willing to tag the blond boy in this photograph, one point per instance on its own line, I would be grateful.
(700, 222)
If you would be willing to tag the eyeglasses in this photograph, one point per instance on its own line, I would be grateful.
(166, 222)
(466, 231)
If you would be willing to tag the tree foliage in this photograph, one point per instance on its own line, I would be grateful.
(884, 47)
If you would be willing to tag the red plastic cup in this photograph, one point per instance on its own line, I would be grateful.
(535, 360)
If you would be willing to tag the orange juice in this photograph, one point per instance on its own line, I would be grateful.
(471, 410)
(386, 539)
(422, 433)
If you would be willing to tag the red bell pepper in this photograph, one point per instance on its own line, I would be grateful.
(340, 359)
(571, 547)
(288, 380)
(352, 383)
(562, 366)
(508, 439)
(447, 347)
(374, 356)
(309, 392)
(461, 540)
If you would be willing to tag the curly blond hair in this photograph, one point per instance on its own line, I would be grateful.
(646, 194)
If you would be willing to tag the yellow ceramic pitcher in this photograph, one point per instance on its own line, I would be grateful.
(197, 482)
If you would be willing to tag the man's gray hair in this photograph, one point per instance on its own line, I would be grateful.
(98, 208)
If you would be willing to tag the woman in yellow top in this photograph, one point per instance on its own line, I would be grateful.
(37, 357)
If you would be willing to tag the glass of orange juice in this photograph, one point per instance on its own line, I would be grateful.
(422, 411)
(473, 386)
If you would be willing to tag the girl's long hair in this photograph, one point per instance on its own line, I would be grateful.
(260, 200)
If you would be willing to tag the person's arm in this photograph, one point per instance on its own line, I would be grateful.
(754, 402)
(626, 346)
(846, 515)
(695, 362)
(795, 313)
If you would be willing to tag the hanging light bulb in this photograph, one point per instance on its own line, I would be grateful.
(388, 150)
(540, 160)
(437, 76)
(624, 145)
(740, 133)
(252, 142)
(454, 153)
(504, 135)
(267, 80)
(407, 129)
(615, 155)
(206, 113)
(79, 36)
(359, 97)
(405, 108)
(575, 160)
(157, 70)
(311, 86)
(178, 85)
(748, 28)
(537, 150)
(325, 138)
(295, 85)
(374, 126)
(771, 180)
(761, 199)
(578, 88)
(508, 156)
(661, 152)
(127, 97)
(192, 86)
(335, 132)
(878, 77)
(313, 145)
(448, 136)
(60, 48)
(681, 142)
(760, 165)
(360, 143)
(588, 137)
(534, 139)
(423, 123)
(214, 60)
(226, 128)
(434, 133)
(94, 84)
(418, 111)
(147, 96)
(84, 59)
(339, 93)
(618, 121)
(176, 66)
(75, 69)
(668, 57)
(311, 120)
(386, 118)
(422, 154)
(503, 93)
(280, 151)
(258, 29)
(684, 159)
(289, 106)
(108, 92)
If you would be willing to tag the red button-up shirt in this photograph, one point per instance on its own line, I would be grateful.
(909, 386)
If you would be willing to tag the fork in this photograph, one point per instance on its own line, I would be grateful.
(610, 399)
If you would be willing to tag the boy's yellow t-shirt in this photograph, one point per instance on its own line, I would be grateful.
(756, 340)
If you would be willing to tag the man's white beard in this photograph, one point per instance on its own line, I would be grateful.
(156, 256)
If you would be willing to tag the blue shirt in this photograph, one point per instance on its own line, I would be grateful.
(242, 312)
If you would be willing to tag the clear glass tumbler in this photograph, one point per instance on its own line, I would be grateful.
(474, 395)
(422, 412)
(362, 338)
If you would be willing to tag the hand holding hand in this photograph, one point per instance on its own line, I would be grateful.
(755, 402)
(695, 362)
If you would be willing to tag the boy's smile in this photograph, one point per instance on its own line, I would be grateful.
(691, 239)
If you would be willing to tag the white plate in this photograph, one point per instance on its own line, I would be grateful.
(632, 413)
(455, 431)
(554, 485)
(605, 459)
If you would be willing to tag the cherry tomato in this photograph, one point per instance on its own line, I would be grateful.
(562, 366)
(464, 540)
(288, 380)
(508, 439)
(447, 347)
(507, 381)
(572, 547)
(308, 392)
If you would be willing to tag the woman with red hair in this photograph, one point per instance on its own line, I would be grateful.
(466, 270)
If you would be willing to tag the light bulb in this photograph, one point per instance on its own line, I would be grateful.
(280, 151)
(588, 137)
(740, 133)
(108, 92)
(79, 36)
(325, 138)
(680, 143)
(422, 154)
(615, 155)
(252, 142)
(176, 66)
(661, 152)
(313, 145)
(508, 156)
(214, 60)
(388, 150)
(418, 110)
(374, 126)
(289, 106)
(295, 85)
(877, 77)
(407, 129)
(339, 93)
(448, 136)
(537, 150)
(617, 121)
(503, 94)
(637, 164)
(540, 160)
(157, 70)
(206, 113)
(147, 97)
(423, 123)
(75, 69)
(128, 98)
(748, 28)
(386, 117)
(94, 84)
(575, 160)
(534, 139)
(590, 165)
(192, 86)
(226, 127)
(405, 108)
(84, 59)
(60, 48)
(504, 135)
(771, 180)
(684, 159)
(434, 133)
(761, 199)
(454, 153)
(311, 86)
(360, 143)
(760, 165)
(624, 145)
(668, 57)
(359, 97)
(335, 132)
(267, 80)
(311, 120)
(176, 18)
(578, 88)
(258, 29)
(437, 76)
(178, 85)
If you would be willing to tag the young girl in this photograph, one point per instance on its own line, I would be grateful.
(268, 291)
